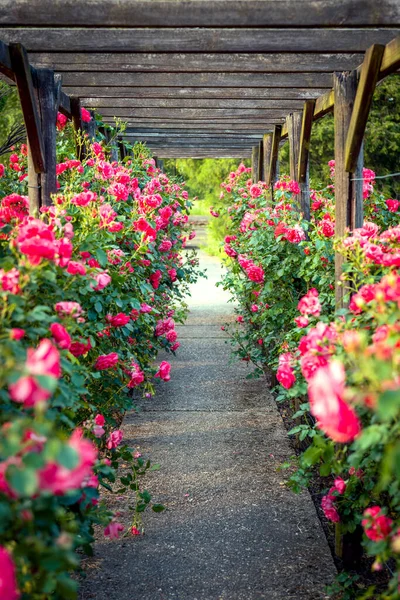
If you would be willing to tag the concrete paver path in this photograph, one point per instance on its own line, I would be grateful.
(232, 531)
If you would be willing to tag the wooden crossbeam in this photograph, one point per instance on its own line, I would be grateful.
(24, 79)
(105, 91)
(200, 79)
(180, 126)
(276, 138)
(391, 58)
(202, 13)
(195, 113)
(5, 61)
(305, 136)
(193, 62)
(226, 103)
(248, 39)
(362, 104)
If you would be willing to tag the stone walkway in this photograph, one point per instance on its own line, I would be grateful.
(232, 530)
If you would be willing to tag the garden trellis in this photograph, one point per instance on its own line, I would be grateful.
(202, 78)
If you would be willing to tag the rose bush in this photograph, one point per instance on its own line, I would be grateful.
(342, 367)
(90, 291)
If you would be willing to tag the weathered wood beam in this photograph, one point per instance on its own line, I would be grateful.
(305, 136)
(362, 104)
(253, 39)
(260, 161)
(101, 103)
(200, 79)
(194, 113)
(48, 104)
(5, 61)
(391, 58)
(346, 190)
(272, 171)
(267, 149)
(293, 124)
(196, 62)
(177, 123)
(78, 126)
(254, 163)
(105, 91)
(179, 126)
(157, 134)
(205, 153)
(65, 105)
(26, 84)
(202, 13)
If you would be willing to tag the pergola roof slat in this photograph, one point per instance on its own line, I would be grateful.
(196, 62)
(200, 13)
(202, 40)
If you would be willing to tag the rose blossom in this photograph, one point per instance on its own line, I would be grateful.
(114, 439)
(8, 578)
(309, 304)
(164, 371)
(334, 416)
(106, 361)
(377, 526)
(60, 335)
(113, 530)
(73, 309)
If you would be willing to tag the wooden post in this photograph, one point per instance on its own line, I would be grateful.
(254, 163)
(48, 104)
(260, 161)
(90, 127)
(33, 185)
(267, 149)
(303, 161)
(122, 150)
(273, 166)
(362, 104)
(348, 195)
(293, 123)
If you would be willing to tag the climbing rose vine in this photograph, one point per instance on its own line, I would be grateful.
(340, 369)
(91, 290)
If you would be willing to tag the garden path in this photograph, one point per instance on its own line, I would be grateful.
(232, 530)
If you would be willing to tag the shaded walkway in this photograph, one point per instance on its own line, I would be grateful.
(233, 531)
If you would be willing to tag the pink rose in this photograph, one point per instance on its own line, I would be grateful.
(17, 334)
(113, 530)
(60, 335)
(376, 525)
(106, 361)
(114, 439)
(76, 268)
(85, 115)
(8, 579)
(334, 416)
(119, 320)
(164, 371)
(73, 309)
(309, 304)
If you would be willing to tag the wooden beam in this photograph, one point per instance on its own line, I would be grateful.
(180, 126)
(345, 86)
(362, 104)
(200, 79)
(254, 163)
(194, 113)
(260, 161)
(26, 84)
(250, 39)
(293, 124)
(193, 103)
(391, 58)
(193, 62)
(202, 13)
(267, 149)
(47, 90)
(5, 61)
(65, 105)
(305, 136)
(276, 138)
(78, 126)
(202, 153)
(106, 91)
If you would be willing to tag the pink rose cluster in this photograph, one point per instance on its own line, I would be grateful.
(254, 272)
(328, 501)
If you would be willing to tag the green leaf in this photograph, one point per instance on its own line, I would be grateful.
(311, 456)
(98, 306)
(389, 404)
(157, 508)
(24, 482)
(101, 257)
(68, 457)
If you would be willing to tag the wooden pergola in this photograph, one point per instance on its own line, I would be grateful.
(205, 78)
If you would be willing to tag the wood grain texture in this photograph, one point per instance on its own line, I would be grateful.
(5, 61)
(346, 190)
(46, 89)
(254, 163)
(267, 149)
(391, 58)
(201, 79)
(102, 103)
(25, 79)
(179, 126)
(260, 40)
(191, 62)
(272, 171)
(362, 104)
(201, 13)
(193, 92)
(195, 113)
(305, 135)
